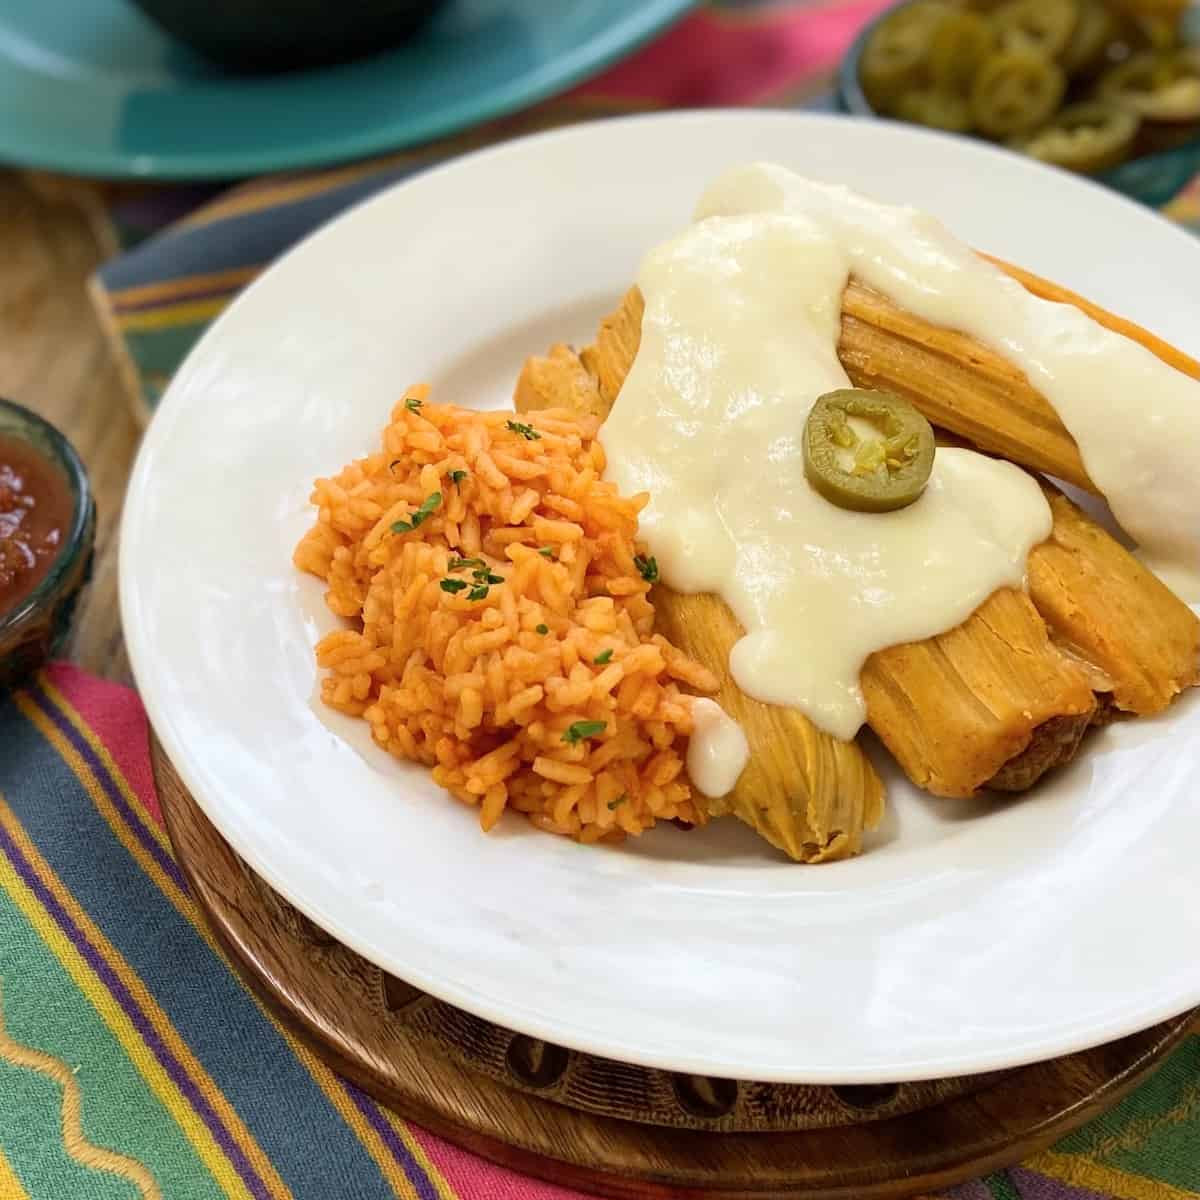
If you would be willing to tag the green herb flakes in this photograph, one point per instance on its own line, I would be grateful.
(647, 568)
(542, 629)
(452, 585)
(425, 511)
(603, 657)
(583, 729)
(526, 431)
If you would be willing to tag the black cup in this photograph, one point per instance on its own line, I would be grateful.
(281, 35)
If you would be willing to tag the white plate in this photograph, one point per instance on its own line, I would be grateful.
(969, 937)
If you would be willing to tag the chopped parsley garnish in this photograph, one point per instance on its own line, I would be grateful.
(583, 729)
(526, 431)
(647, 568)
(413, 404)
(457, 476)
(613, 805)
(479, 592)
(603, 657)
(453, 585)
(546, 551)
(542, 629)
(426, 510)
(482, 573)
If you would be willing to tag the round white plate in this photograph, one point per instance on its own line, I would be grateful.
(969, 936)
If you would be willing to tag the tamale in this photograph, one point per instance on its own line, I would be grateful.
(807, 793)
(957, 383)
(1139, 642)
(968, 389)
(995, 702)
(980, 705)
(956, 711)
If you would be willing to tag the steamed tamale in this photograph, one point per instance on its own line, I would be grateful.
(1137, 640)
(990, 703)
(997, 701)
(957, 383)
(806, 792)
(963, 386)
(975, 707)
(809, 794)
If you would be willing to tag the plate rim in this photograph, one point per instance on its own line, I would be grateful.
(1127, 1020)
(641, 22)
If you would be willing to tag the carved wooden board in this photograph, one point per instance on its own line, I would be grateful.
(621, 1130)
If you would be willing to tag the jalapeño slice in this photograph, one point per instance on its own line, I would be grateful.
(1015, 92)
(1088, 137)
(877, 471)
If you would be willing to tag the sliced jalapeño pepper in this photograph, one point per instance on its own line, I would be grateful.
(893, 59)
(1085, 137)
(1158, 86)
(936, 108)
(957, 45)
(1096, 31)
(1043, 25)
(1015, 92)
(881, 470)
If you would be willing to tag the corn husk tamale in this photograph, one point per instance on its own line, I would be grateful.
(968, 389)
(1001, 699)
(958, 712)
(957, 383)
(1139, 643)
(990, 703)
(807, 793)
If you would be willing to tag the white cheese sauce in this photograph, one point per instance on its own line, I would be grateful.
(717, 750)
(738, 339)
(1135, 419)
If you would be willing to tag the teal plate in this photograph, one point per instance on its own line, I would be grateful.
(94, 88)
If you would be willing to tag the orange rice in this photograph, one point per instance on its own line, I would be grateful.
(548, 692)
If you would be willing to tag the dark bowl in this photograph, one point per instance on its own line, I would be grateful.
(32, 630)
(1154, 179)
(280, 35)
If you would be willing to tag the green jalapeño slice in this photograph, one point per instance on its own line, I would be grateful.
(867, 451)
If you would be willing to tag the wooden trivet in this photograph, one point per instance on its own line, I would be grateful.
(621, 1130)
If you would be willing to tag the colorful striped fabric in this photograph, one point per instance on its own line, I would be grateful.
(135, 1064)
(133, 1061)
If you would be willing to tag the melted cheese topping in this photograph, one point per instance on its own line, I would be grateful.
(738, 340)
(717, 750)
(1135, 419)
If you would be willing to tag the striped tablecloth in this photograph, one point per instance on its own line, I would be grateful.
(133, 1063)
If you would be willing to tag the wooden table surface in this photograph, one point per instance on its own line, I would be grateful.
(54, 359)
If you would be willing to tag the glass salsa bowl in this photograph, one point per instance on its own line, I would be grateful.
(36, 624)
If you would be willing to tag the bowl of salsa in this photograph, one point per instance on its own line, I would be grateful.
(47, 528)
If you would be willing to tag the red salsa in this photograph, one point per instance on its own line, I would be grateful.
(36, 506)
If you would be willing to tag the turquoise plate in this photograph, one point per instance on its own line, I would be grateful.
(94, 88)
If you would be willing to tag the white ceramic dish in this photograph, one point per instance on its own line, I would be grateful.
(969, 937)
